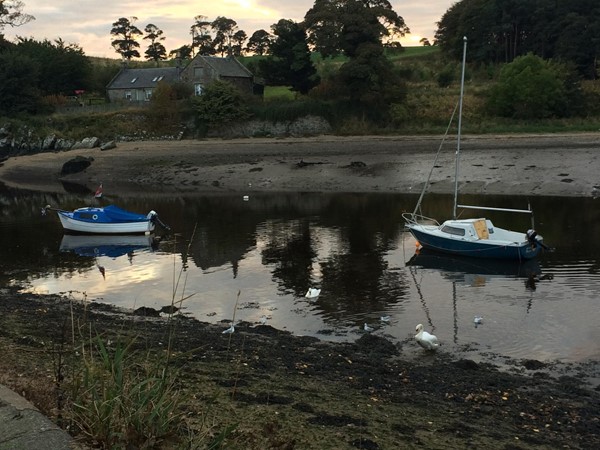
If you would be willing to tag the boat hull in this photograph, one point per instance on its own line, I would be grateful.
(475, 249)
(109, 220)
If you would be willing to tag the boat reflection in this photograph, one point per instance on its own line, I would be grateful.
(475, 271)
(106, 245)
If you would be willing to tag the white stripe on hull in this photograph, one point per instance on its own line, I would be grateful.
(106, 228)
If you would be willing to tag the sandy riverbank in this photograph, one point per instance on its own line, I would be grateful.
(553, 165)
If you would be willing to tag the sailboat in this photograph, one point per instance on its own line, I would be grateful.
(474, 237)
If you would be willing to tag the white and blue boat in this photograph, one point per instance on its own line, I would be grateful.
(106, 220)
(473, 237)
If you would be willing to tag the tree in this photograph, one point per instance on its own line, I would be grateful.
(65, 66)
(11, 14)
(183, 52)
(156, 51)
(18, 84)
(237, 42)
(201, 38)
(125, 33)
(289, 62)
(224, 29)
(163, 113)
(340, 26)
(259, 43)
(502, 30)
(532, 88)
(369, 79)
(424, 42)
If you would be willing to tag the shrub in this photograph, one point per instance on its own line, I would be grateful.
(221, 103)
(531, 88)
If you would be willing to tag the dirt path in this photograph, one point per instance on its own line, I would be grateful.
(553, 165)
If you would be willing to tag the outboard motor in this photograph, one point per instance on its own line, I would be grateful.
(153, 216)
(531, 236)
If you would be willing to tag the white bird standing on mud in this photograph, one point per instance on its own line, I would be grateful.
(367, 328)
(313, 293)
(229, 330)
(426, 340)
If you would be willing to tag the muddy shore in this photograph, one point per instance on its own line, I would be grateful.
(289, 392)
(553, 165)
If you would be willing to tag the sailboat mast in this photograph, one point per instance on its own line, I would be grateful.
(460, 108)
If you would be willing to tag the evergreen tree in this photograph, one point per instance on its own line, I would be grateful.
(18, 84)
(65, 66)
(202, 41)
(290, 60)
(156, 50)
(259, 43)
(125, 33)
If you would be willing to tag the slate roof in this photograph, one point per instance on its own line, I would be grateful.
(144, 78)
(228, 67)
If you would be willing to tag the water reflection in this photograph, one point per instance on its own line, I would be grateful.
(112, 246)
(476, 271)
(272, 248)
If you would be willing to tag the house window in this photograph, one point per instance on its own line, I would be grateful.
(198, 89)
(155, 79)
(148, 94)
(128, 95)
(134, 80)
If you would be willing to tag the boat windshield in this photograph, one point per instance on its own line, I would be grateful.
(453, 230)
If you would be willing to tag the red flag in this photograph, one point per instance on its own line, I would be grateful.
(98, 193)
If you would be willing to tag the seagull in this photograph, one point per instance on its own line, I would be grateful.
(229, 330)
(385, 318)
(478, 320)
(367, 328)
(426, 340)
(312, 293)
(263, 320)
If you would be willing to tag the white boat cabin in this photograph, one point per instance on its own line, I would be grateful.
(479, 229)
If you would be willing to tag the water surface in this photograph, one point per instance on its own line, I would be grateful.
(258, 258)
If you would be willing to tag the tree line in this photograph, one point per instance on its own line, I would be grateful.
(358, 31)
(218, 37)
(501, 30)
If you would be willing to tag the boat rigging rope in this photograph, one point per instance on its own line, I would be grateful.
(426, 185)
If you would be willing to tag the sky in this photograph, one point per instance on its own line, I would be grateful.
(88, 22)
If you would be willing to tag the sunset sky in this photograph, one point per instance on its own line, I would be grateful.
(88, 22)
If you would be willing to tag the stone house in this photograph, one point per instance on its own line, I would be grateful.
(136, 85)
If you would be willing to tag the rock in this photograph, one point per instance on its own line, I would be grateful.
(89, 142)
(146, 312)
(49, 142)
(533, 364)
(63, 144)
(76, 165)
(109, 145)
